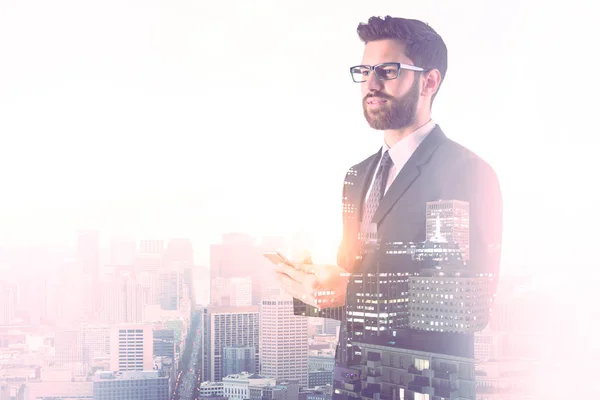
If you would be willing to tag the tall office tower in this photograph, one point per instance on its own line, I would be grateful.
(283, 339)
(387, 372)
(202, 285)
(330, 326)
(95, 340)
(238, 359)
(237, 256)
(453, 304)
(77, 348)
(150, 256)
(8, 303)
(225, 327)
(377, 302)
(400, 338)
(170, 287)
(445, 296)
(391, 264)
(68, 350)
(122, 252)
(179, 251)
(453, 216)
(164, 343)
(131, 347)
(220, 292)
(232, 292)
(150, 286)
(123, 300)
(437, 253)
(241, 292)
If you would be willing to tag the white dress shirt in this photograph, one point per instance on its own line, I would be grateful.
(401, 152)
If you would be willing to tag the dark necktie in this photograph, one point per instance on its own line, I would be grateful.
(372, 203)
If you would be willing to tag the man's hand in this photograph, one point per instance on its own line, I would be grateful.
(322, 286)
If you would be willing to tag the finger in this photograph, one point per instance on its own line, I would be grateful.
(291, 285)
(308, 268)
(285, 269)
(308, 281)
(294, 273)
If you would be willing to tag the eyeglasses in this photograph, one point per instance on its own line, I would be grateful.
(385, 71)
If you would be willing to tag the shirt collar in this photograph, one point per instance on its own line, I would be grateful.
(403, 150)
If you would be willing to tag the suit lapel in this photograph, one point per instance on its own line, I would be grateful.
(365, 183)
(409, 173)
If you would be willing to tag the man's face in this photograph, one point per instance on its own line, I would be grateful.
(389, 104)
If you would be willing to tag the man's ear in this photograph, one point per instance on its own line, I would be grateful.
(431, 83)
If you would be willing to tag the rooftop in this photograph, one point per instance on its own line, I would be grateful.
(126, 375)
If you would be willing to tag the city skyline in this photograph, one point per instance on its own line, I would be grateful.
(202, 258)
(520, 326)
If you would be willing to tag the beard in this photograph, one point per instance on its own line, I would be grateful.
(395, 113)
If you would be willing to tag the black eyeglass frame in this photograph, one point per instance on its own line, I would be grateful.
(399, 66)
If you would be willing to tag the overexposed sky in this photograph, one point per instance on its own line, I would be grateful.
(195, 118)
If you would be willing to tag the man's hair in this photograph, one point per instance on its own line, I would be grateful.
(423, 45)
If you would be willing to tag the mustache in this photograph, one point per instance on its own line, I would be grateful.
(378, 94)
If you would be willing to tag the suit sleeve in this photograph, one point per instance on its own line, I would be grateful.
(337, 313)
(342, 254)
(476, 182)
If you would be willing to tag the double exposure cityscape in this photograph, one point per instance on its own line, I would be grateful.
(140, 320)
(299, 200)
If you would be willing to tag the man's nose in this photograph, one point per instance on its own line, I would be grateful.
(373, 84)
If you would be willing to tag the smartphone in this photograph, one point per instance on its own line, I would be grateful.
(277, 258)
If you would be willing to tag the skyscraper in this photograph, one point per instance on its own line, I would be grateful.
(131, 347)
(150, 255)
(453, 216)
(76, 348)
(412, 313)
(123, 300)
(238, 256)
(170, 288)
(238, 359)
(223, 327)
(446, 295)
(232, 292)
(283, 339)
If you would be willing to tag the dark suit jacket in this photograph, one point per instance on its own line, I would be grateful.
(439, 169)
